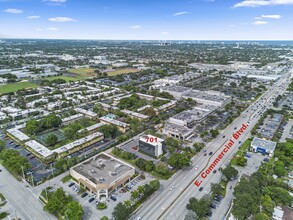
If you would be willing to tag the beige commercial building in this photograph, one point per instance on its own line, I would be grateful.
(102, 173)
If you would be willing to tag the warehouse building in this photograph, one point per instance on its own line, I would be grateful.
(102, 173)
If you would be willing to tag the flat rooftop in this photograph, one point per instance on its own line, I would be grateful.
(102, 169)
(265, 144)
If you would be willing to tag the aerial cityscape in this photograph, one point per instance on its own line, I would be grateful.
(146, 110)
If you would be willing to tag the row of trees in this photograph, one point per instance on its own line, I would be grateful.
(13, 161)
(50, 121)
(59, 204)
(122, 211)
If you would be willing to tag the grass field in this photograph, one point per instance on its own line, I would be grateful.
(121, 71)
(16, 86)
(245, 146)
(83, 71)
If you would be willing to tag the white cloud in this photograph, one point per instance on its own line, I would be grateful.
(13, 11)
(61, 19)
(180, 13)
(272, 16)
(52, 29)
(164, 33)
(260, 22)
(33, 17)
(258, 3)
(257, 18)
(135, 27)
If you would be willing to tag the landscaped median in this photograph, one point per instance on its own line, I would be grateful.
(239, 159)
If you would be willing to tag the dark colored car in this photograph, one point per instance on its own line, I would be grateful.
(71, 184)
(266, 160)
(84, 195)
(205, 154)
(91, 199)
(210, 153)
(113, 198)
(200, 189)
(213, 206)
(209, 214)
(224, 136)
(214, 171)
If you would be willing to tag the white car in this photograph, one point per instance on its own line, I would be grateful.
(172, 187)
(196, 167)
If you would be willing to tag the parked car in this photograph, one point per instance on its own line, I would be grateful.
(200, 189)
(210, 153)
(84, 195)
(70, 184)
(91, 199)
(214, 171)
(212, 205)
(113, 198)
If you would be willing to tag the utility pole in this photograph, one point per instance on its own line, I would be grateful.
(32, 179)
(46, 193)
(52, 169)
(22, 172)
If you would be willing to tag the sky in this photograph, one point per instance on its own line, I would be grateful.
(147, 19)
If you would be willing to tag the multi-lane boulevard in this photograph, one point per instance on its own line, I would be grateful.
(21, 202)
(170, 204)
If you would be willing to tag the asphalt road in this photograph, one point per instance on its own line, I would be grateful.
(20, 200)
(170, 204)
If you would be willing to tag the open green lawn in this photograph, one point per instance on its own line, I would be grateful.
(244, 147)
(67, 78)
(83, 71)
(122, 71)
(16, 86)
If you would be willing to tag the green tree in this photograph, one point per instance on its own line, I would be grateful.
(261, 216)
(230, 172)
(109, 130)
(2, 145)
(267, 204)
(279, 195)
(134, 195)
(216, 188)
(162, 168)
(104, 218)
(244, 206)
(32, 127)
(51, 139)
(121, 212)
(154, 184)
(178, 161)
(57, 202)
(200, 207)
(74, 211)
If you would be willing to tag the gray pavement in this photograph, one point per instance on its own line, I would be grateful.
(171, 204)
(286, 132)
(21, 201)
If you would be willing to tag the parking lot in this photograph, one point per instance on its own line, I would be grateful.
(222, 205)
(38, 170)
(90, 210)
(134, 143)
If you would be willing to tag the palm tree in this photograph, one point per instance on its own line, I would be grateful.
(134, 194)
(127, 203)
(140, 189)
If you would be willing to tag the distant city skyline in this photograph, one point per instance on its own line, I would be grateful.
(147, 20)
